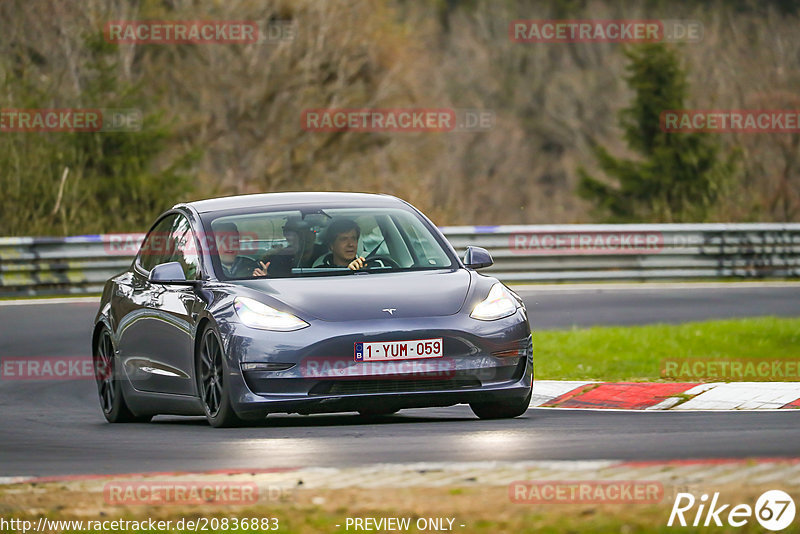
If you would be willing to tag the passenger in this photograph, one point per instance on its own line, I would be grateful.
(342, 239)
(227, 238)
(301, 250)
(301, 238)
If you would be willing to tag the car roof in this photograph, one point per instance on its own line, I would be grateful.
(272, 200)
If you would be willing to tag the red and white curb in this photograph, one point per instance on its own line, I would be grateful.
(666, 395)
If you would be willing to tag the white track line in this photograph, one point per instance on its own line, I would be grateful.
(649, 286)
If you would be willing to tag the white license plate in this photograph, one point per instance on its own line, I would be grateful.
(398, 350)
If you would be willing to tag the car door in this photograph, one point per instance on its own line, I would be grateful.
(132, 297)
(157, 345)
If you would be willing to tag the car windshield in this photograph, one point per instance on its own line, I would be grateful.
(307, 242)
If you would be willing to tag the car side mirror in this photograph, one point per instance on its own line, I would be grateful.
(170, 273)
(477, 257)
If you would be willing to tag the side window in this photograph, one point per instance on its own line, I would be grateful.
(184, 248)
(155, 249)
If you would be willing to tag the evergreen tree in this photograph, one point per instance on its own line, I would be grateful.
(679, 175)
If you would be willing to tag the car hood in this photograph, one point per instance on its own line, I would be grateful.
(366, 296)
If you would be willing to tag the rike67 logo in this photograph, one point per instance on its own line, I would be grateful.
(774, 510)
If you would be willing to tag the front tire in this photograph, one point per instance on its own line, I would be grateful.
(502, 409)
(112, 402)
(212, 382)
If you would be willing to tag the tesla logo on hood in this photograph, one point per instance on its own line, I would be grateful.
(390, 311)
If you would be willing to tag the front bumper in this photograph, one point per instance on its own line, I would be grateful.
(483, 361)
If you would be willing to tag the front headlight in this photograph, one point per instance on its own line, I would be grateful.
(500, 303)
(258, 315)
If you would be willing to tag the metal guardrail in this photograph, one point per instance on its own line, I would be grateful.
(538, 253)
(568, 253)
(71, 265)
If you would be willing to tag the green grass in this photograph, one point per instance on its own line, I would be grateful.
(505, 517)
(637, 353)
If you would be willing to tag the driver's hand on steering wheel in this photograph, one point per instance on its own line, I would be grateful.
(356, 264)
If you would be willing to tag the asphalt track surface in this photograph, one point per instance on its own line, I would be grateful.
(56, 427)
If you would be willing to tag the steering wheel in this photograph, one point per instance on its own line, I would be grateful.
(386, 260)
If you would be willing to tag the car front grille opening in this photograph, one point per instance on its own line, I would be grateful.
(362, 387)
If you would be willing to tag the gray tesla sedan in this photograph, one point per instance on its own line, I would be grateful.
(238, 307)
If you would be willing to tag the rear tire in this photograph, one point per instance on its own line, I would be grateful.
(212, 382)
(503, 409)
(108, 376)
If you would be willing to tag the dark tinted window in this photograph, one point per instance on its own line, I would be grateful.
(155, 249)
(184, 249)
(172, 239)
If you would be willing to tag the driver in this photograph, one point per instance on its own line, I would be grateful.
(342, 239)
